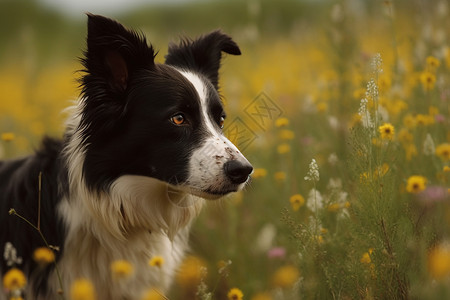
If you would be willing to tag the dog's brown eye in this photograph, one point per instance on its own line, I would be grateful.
(178, 119)
(222, 121)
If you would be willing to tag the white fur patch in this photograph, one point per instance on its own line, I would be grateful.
(206, 171)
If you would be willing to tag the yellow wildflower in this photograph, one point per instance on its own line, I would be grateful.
(384, 83)
(446, 169)
(381, 170)
(14, 279)
(416, 184)
(405, 136)
(8, 136)
(387, 131)
(365, 258)
(334, 207)
(432, 63)
(285, 276)
(395, 107)
(152, 294)
(82, 289)
(359, 93)
(322, 107)
(428, 80)
(43, 256)
(411, 151)
(433, 110)
(443, 151)
(280, 176)
(286, 134)
(262, 296)
(355, 119)
(424, 120)
(156, 261)
(235, 294)
(190, 272)
(259, 173)
(297, 201)
(121, 269)
(281, 122)
(439, 261)
(283, 148)
(409, 121)
(319, 239)
(377, 173)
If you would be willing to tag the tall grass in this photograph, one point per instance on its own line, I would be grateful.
(375, 223)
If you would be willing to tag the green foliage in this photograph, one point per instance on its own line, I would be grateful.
(367, 228)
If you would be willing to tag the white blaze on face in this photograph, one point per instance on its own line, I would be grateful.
(206, 172)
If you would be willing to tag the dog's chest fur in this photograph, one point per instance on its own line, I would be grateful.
(86, 257)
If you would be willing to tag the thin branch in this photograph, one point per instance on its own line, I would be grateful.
(39, 202)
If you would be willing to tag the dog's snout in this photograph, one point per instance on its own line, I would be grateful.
(237, 171)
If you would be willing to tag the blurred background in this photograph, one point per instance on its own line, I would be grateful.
(288, 47)
(310, 61)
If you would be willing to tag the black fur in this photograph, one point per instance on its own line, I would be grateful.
(19, 187)
(203, 55)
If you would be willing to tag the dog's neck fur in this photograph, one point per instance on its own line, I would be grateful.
(139, 213)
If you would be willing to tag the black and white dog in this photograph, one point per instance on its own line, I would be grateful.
(142, 148)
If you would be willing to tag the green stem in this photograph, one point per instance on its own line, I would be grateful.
(12, 211)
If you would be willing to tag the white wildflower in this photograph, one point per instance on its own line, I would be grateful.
(265, 238)
(333, 159)
(342, 197)
(372, 90)
(222, 270)
(202, 291)
(337, 13)
(333, 122)
(10, 255)
(343, 214)
(376, 64)
(313, 173)
(383, 113)
(363, 111)
(428, 146)
(338, 197)
(314, 201)
(334, 184)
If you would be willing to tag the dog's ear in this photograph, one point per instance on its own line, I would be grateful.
(112, 57)
(114, 53)
(203, 54)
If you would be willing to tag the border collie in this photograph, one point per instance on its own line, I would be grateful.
(142, 149)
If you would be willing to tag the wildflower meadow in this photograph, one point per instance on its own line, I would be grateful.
(342, 107)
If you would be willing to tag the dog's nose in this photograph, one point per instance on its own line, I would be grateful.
(237, 171)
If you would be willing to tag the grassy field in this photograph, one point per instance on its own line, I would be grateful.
(343, 108)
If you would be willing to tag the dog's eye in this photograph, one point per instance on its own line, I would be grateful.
(178, 119)
(221, 121)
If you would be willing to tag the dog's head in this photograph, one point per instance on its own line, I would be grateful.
(156, 120)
